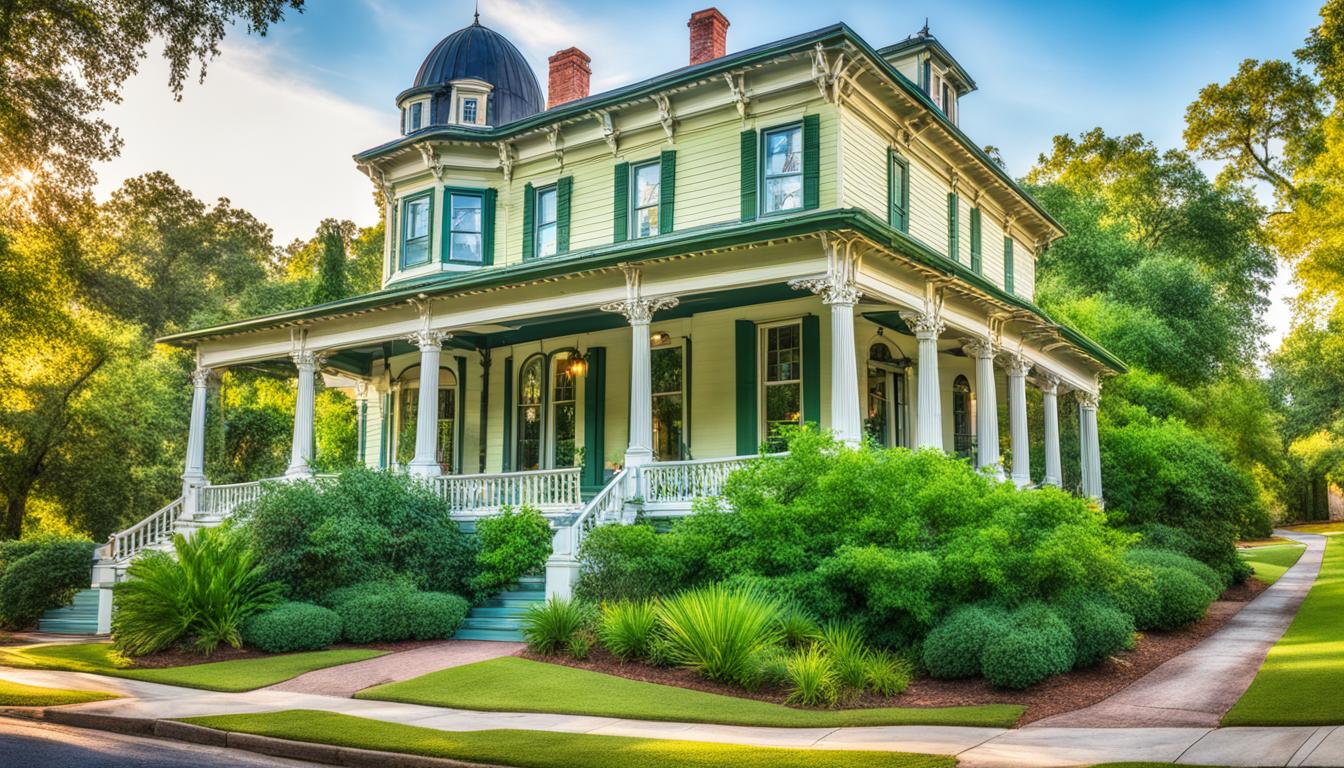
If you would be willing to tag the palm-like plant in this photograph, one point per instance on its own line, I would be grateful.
(552, 626)
(720, 632)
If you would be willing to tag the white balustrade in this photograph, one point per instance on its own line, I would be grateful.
(219, 501)
(606, 507)
(153, 530)
(546, 489)
(677, 483)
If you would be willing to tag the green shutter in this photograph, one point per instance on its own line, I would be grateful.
(620, 204)
(1007, 263)
(953, 228)
(385, 432)
(564, 189)
(748, 441)
(529, 205)
(667, 190)
(594, 417)
(898, 191)
(686, 405)
(975, 241)
(749, 180)
(460, 439)
(506, 460)
(811, 161)
(484, 430)
(812, 370)
(488, 227)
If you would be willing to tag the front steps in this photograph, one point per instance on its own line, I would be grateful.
(78, 618)
(501, 617)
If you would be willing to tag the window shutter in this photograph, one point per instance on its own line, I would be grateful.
(563, 191)
(488, 227)
(811, 161)
(975, 241)
(749, 180)
(667, 190)
(594, 416)
(1008, 263)
(898, 191)
(953, 235)
(529, 202)
(812, 370)
(507, 457)
(747, 415)
(620, 208)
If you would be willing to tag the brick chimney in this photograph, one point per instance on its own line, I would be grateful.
(709, 35)
(569, 77)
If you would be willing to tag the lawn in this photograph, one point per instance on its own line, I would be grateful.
(1325, 527)
(543, 749)
(20, 695)
(1270, 562)
(231, 676)
(512, 684)
(1300, 681)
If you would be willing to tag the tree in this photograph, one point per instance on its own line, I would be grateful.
(331, 264)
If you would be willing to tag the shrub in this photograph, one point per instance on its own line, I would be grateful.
(214, 585)
(512, 545)
(581, 644)
(954, 648)
(393, 611)
(797, 626)
(549, 627)
(361, 526)
(628, 628)
(1180, 598)
(772, 667)
(292, 627)
(720, 632)
(626, 562)
(1147, 557)
(1036, 645)
(845, 645)
(1099, 628)
(39, 574)
(887, 674)
(812, 679)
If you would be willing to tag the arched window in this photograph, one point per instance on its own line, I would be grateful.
(961, 416)
(531, 413)
(408, 414)
(563, 412)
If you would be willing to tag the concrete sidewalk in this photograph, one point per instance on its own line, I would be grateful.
(349, 679)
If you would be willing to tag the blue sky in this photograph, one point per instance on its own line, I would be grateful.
(275, 123)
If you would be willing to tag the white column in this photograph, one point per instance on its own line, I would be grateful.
(986, 408)
(301, 452)
(639, 311)
(1017, 368)
(929, 405)
(837, 290)
(426, 460)
(1049, 393)
(1091, 445)
(194, 472)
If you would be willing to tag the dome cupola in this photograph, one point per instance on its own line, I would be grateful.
(473, 77)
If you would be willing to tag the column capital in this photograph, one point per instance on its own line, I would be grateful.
(306, 359)
(428, 339)
(831, 289)
(201, 376)
(926, 325)
(1088, 399)
(1016, 364)
(979, 348)
(639, 311)
(1047, 382)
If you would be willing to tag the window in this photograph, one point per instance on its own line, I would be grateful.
(408, 414)
(926, 76)
(563, 413)
(976, 264)
(947, 99)
(547, 221)
(668, 414)
(416, 226)
(961, 416)
(899, 193)
(885, 422)
(466, 238)
(645, 192)
(469, 111)
(783, 380)
(953, 227)
(530, 391)
(783, 169)
(415, 116)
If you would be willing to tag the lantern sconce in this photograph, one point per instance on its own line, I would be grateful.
(659, 339)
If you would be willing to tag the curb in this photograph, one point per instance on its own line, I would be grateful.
(328, 754)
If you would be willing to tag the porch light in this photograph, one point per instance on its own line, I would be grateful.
(578, 365)
(659, 338)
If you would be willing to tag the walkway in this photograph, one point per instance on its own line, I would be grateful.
(348, 679)
(1198, 687)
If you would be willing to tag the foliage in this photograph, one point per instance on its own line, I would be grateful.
(331, 282)
(581, 643)
(39, 574)
(849, 653)
(887, 674)
(797, 625)
(628, 628)
(813, 679)
(203, 595)
(1181, 598)
(1147, 557)
(292, 627)
(720, 632)
(391, 611)
(625, 562)
(954, 648)
(512, 544)
(551, 626)
(361, 526)
(1036, 645)
(1099, 628)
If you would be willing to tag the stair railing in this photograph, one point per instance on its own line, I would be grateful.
(155, 529)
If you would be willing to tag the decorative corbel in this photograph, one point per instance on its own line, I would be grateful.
(827, 74)
(665, 116)
(431, 159)
(954, 179)
(737, 88)
(557, 144)
(505, 159)
(839, 285)
(379, 180)
(610, 133)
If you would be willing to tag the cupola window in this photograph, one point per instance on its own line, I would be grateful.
(469, 111)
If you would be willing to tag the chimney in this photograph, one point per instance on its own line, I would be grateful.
(709, 35)
(569, 77)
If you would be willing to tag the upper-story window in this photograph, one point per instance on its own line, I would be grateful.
(645, 194)
(469, 110)
(466, 230)
(417, 224)
(547, 207)
(898, 192)
(783, 169)
(415, 116)
(949, 101)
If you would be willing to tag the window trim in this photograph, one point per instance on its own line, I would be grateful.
(894, 160)
(762, 160)
(405, 204)
(446, 249)
(537, 192)
(632, 192)
(543, 406)
(762, 384)
(475, 103)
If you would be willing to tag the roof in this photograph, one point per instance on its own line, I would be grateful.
(481, 53)
(921, 41)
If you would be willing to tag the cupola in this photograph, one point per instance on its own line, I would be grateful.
(925, 62)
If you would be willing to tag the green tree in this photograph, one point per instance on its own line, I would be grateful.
(331, 264)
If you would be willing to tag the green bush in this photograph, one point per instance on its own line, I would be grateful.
(1099, 628)
(358, 527)
(39, 574)
(954, 648)
(1036, 645)
(628, 628)
(887, 674)
(626, 562)
(1180, 598)
(551, 627)
(849, 653)
(204, 595)
(1146, 557)
(292, 627)
(720, 632)
(812, 678)
(512, 545)
(797, 626)
(393, 611)
(772, 667)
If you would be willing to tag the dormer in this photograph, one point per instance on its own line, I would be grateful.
(925, 62)
(470, 96)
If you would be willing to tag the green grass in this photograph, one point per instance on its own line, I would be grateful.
(1299, 682)
(1327, 528)
(512, 684)
(543, 749)
(1270, 562)
(20, 695)
(230, 676)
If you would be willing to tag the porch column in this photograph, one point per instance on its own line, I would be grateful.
(986, 408)
(1017, 368)
(838, 292)
(1049, 398)
(301, 452)
(1090, 444)
(639, 311)
(929, 405)
(194, 470)
(426, 461)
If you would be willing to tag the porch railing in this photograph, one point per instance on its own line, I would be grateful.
(155, 529)
(546, 489)
(221, 500)
(681, 482)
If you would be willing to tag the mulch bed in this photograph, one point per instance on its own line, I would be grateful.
(1272, 540)
(1063, 693)
(182, 657)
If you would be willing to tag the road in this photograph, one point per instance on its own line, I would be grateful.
(27, 744)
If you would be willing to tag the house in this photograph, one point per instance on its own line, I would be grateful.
(602, 297)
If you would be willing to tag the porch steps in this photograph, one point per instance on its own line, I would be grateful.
(78, 618)
(501, 616)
